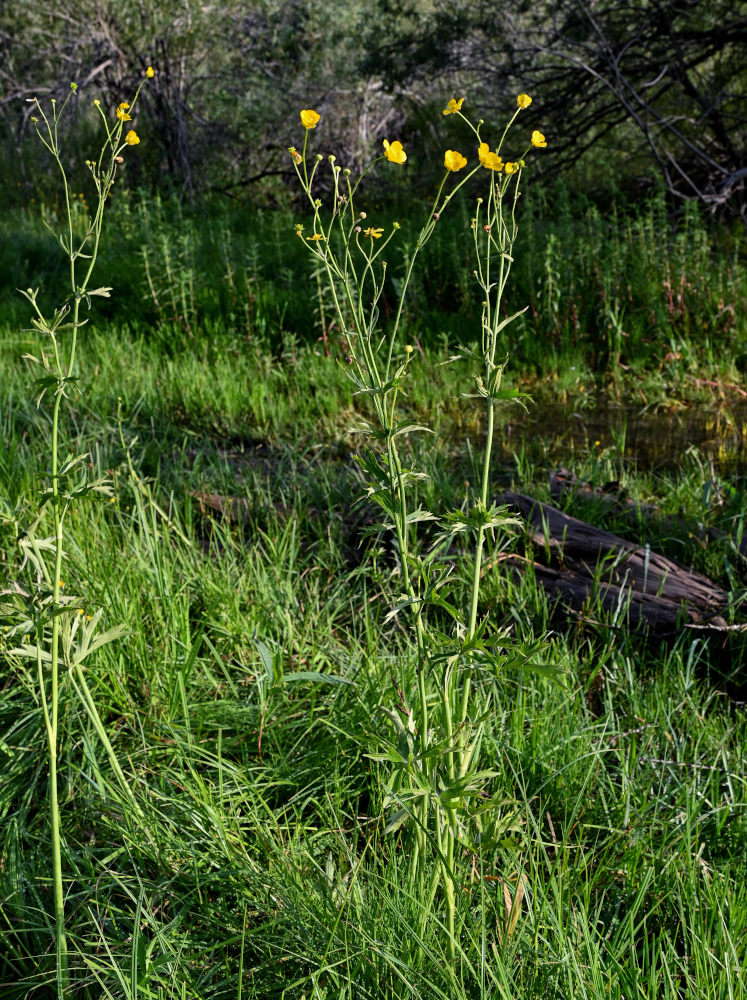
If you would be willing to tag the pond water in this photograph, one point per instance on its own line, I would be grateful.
(649, 437)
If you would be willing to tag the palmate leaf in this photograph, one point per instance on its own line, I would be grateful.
(80, 640)
(413, 517)
(411, 429)
(33, 549)
(478, 517)
(28, 652)
(471, 786)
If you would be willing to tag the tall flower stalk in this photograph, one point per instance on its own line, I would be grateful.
(54, 622)
(436, 786)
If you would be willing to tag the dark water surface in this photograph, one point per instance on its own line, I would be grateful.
(649, 437)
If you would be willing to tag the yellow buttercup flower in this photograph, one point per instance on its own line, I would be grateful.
(132, 138)
(122, 112)
(150, 72)
(394, 151)
(489, 159)
(538, 139)
(511, 168)
(309, 118)
(375, 234)
(453, 106)
(523, 100)
(453, 160)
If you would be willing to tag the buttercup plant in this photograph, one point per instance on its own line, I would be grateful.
(436, 785)
(54, 627)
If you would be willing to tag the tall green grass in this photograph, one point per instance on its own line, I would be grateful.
(610, 289)
(260, 867)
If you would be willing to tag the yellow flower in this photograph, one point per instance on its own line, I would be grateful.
(309, 118)
(122, 112)
(454, 160)
(394, 151)
(523, 100)
(538, 139)
(453, 106)
(375, 234)
(132, 138)
(315, 237)
(511, 168)
(150, 72)
(489, 159)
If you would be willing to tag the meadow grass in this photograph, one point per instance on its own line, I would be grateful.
(306, 765)
(628, 287)
(244, 705)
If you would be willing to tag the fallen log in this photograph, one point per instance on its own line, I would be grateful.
(588, 568)
(611, 498)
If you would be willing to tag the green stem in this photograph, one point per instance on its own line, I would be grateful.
(54, 806)
(481, 532)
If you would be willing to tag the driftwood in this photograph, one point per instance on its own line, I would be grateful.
(590, 568)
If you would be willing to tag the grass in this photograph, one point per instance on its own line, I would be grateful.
(613, 291)
(246, 700)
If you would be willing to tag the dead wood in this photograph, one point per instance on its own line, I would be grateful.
(586, 567)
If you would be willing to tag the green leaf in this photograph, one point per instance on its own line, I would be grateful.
(27, 652)
(266, 657)
(315, 677)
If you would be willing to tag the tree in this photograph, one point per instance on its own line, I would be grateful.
(672, 73)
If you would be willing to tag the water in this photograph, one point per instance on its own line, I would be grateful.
(649, 437)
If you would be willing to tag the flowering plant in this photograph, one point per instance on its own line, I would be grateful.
(435, 783)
